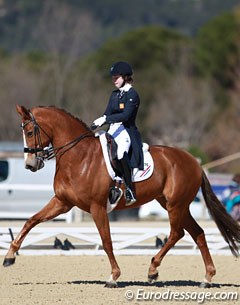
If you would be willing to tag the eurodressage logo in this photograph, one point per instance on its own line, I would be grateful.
(200, 297)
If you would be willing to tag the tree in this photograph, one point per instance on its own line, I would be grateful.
(17, 85)
(143, 48)
(67, 36)
(217, 52)
(181, 113)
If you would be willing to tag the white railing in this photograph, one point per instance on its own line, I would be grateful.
(126, 241)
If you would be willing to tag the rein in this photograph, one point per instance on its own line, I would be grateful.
(49, 152)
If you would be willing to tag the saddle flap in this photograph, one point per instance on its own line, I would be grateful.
(111, 146)
(112, 153)
(138, 175)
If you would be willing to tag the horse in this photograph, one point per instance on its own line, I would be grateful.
(81, 180)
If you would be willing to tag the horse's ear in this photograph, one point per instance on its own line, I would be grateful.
(23, 112)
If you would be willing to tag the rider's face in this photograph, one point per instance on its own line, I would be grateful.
(118, 81)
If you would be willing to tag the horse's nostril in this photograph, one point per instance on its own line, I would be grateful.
(27, 166)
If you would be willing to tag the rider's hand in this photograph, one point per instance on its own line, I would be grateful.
(100, 121)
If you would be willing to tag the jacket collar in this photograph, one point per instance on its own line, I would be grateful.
(126, 87)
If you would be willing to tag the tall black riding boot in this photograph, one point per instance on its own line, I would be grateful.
(127, 176)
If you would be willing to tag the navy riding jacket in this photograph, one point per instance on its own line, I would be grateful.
(123, 107)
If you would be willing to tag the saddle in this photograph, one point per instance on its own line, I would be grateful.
(109, 149)
(112, 153)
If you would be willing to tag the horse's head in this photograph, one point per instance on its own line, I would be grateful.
(35, 140)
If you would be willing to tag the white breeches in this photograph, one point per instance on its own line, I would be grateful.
(121, 137)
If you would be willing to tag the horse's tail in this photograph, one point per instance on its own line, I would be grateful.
(229, 228)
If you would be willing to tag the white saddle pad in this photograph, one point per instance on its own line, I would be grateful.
(138, 175)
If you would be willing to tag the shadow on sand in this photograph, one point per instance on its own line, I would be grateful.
(176, 283)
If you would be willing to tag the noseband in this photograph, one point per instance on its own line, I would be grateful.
(48, 153)
(38, 147)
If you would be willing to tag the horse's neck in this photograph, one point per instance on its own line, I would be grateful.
(65, 129)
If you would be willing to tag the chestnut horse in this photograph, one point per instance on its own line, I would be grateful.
(82, 180)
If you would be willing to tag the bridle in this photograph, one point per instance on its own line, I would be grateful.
(48, 153)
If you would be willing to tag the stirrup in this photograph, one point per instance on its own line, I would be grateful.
(115, 194)
(129, 196)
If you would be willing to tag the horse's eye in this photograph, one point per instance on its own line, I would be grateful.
(29, 134)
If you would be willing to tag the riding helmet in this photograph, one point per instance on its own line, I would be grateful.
(121, 68)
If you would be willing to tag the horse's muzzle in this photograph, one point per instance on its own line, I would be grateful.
(34, 164)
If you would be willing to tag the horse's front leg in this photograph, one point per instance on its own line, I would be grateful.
(54, 208)
(100, 218)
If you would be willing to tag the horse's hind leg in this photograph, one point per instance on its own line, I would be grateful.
(54, 208)
(176, 233)
(198, 236)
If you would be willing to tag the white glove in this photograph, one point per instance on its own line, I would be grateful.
(100, 121)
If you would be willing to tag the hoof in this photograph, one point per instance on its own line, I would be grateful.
(8, 262)
(111, 285)
(152, 278)
(205, 285)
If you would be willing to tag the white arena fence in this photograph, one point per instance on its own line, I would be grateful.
(126, 241)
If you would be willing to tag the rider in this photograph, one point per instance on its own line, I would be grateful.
(121, 113)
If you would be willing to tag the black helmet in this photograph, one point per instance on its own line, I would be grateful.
(121, 68)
